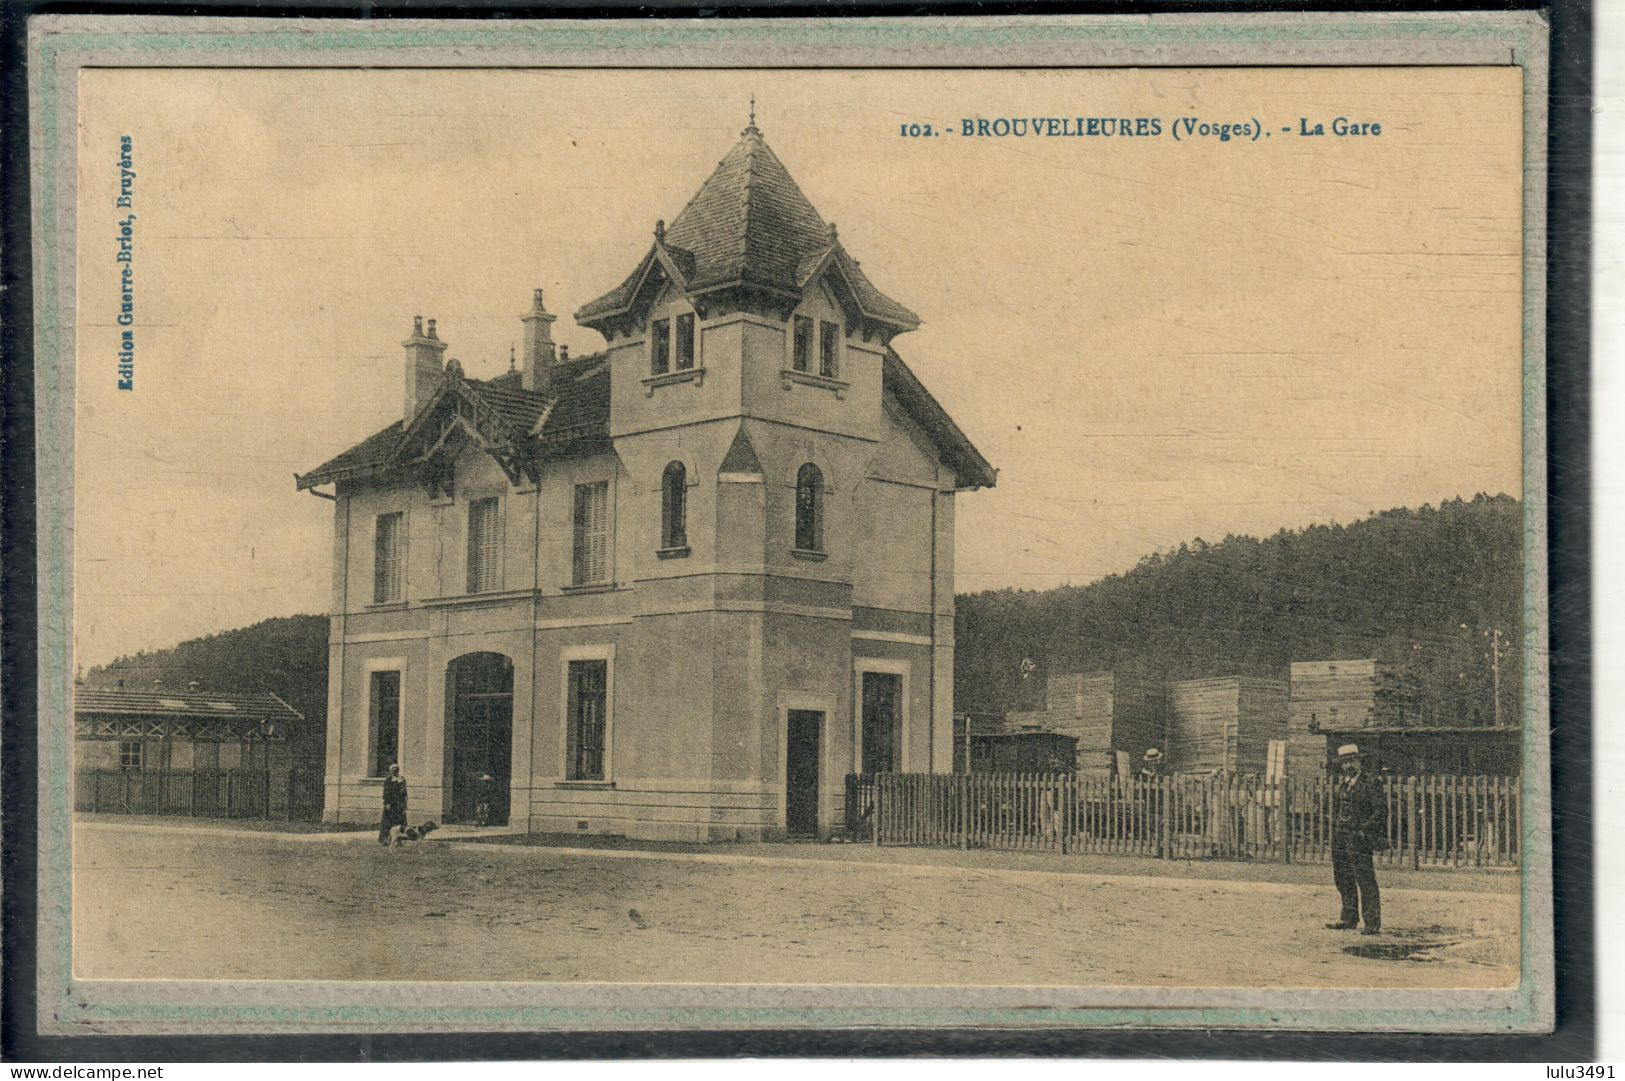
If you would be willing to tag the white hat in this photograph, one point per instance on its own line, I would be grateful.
(1152, 754)
(1348, 750)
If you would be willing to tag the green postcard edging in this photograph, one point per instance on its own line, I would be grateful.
(557, 43)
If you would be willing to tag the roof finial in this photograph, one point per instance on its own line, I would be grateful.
(750, 129)
(660, 230)
(512, 360)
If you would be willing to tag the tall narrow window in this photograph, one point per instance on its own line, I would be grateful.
(685, 341)
(829, 340)
(882, 722)
(660, 346)
(591, 564)
(674, 506)
(386, 559)
(386, 722)
(484, 545)
(810, 509)
(588, 719)
(802, 361)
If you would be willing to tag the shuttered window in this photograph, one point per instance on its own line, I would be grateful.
(685, 341)
(591, 564)
(484, 545)
(829, 339)
(589, 719)
(387, 563)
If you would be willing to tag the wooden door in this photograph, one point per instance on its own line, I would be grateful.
(801, 773)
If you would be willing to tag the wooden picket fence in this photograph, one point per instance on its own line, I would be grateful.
(1432, 821)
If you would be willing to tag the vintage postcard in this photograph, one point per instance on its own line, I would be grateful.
(1008, 522)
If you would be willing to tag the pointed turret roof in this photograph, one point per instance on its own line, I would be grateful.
(749, 225)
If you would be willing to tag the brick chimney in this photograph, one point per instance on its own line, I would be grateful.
(539, 355)
(423, 370)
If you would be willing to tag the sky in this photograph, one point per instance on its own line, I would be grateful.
(1152, 340)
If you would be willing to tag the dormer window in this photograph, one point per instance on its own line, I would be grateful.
(660, 347)
(685, 341)
(802, 360)
(668, 351)
(829, 339)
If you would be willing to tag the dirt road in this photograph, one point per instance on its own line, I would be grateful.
(209, 905)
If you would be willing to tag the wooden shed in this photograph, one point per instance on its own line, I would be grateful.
(1105, 713)
(189, 752)
(1224, 723)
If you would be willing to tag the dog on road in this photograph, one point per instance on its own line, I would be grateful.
(397, 834)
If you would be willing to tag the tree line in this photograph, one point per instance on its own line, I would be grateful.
(1424, 589)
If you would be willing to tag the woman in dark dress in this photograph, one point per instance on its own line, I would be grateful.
(394, 802)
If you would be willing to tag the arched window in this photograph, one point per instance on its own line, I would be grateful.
(810, 509)
(674, 506)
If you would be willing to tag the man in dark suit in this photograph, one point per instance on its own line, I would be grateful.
(1359, 826)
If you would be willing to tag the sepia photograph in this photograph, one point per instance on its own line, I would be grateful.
(559, 542)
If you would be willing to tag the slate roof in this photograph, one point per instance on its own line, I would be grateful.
(365, 455)
(575, 408)
(201, 705)
(750, 223)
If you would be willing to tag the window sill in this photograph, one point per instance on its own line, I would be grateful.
(680, 551)
(809, 554)
(589, 587)
(386, 606)
(583, 784)
(790, 376)
(493, 597)
(666, 379)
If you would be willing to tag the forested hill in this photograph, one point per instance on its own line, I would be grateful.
(286, 656)
(1399, 586)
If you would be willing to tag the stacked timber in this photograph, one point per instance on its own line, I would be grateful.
(1341, 697)
(1104, 712)
(1224, 724)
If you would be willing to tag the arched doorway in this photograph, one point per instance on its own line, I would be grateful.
(479, 733)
